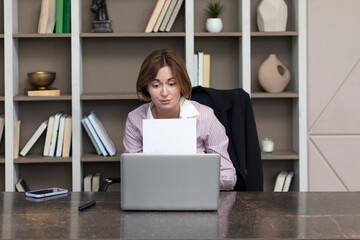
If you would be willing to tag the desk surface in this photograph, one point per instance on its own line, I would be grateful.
(241, 215)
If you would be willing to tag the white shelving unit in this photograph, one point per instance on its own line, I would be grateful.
(192, 39)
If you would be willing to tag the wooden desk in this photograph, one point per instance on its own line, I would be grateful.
(241, 215)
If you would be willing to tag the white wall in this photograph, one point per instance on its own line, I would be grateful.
(334, 95)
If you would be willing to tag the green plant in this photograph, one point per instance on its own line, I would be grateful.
(214, 8)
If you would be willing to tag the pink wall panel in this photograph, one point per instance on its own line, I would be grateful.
(334, 95)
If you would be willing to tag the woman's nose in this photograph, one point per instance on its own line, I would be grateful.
(164, 91)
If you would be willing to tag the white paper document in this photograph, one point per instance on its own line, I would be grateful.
(169, 136)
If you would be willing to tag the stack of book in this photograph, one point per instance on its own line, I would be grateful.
(98, 135)
(92, 182)
(55, 14)
(163, 15)
(283, 181)
(58, 136)
(201, 70)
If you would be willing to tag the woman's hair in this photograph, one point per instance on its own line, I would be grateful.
(151, 66)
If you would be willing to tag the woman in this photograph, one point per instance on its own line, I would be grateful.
(163, 79)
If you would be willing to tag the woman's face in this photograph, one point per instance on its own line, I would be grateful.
(164, 91)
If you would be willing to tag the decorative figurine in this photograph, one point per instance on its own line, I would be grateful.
(101, 24)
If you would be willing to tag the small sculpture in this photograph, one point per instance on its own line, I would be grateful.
(101, 22)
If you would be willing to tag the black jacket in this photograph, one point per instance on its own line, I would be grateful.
(234, 110)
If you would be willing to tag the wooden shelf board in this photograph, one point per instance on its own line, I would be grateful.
(108, 96)
(287, 94)
(93, 157)
(220, 34)
(38, 35)
(137, 34)
(23, 97)
(37, 158)
(274, 34)
(280, 155)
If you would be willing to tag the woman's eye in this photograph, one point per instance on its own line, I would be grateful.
(172, 84)
(155, 85)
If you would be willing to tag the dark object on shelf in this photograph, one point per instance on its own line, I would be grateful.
(234, 110)
(41, 80)
(21, 186)
(105, 184)
(101, 24)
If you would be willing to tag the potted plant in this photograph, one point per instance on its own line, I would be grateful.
(214, 9)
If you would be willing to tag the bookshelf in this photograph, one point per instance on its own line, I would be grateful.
(98, 72)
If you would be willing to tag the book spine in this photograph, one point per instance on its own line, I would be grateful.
(67, 16)
(99, 146)
(60, 138)
(67, 137)
(34, 138)
(100, 130)
(173, 16)
(59, 16)
(54, 135)
(48, 136)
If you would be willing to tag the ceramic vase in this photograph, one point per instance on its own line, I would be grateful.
(273, 75)
(214, 25)
(272, 15)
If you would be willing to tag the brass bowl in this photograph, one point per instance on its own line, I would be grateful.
(41, 80)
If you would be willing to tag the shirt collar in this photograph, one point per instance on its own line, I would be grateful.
(187, 109)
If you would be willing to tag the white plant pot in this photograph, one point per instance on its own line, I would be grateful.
(214, 25)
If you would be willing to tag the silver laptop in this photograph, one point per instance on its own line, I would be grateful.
(170, 182)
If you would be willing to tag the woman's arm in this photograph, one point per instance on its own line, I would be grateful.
(217, 142)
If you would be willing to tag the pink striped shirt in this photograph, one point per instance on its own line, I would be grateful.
(211, 136)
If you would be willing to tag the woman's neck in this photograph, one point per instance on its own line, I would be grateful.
(165, 114)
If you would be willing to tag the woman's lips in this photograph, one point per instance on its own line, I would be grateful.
(165, 101)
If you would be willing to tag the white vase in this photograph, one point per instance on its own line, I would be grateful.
(214, 25)
(272, 15)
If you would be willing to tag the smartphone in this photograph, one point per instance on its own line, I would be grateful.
(46, 192)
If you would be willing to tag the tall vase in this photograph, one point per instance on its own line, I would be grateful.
(272, 15)
(273, 75)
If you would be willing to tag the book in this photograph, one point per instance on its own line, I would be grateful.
(161, 16)
(17, 138)
(103, 135)
(96, 180)
(206, 70)
(59, 26)
(287, 182)
(280, 179)
(88, 183)
(21, 186)
(67, 137)
(48, 135)
(167, 15)
(2, 124)
(99, 146)
(44, 16)
(52, 17)
(60, 138)
(201, 68)
(173, 15)
(194, 80)
(43, 93)
(54, 135)
(67, 17)
(30, 143)
(154, 16)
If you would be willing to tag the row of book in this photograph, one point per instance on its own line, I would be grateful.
(98, 135)
(57, 139)
(92, 182)
(201, 70)
(55, 15)
(163, 15)
(283, 181)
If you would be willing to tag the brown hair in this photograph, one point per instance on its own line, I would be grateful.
(151, 66)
